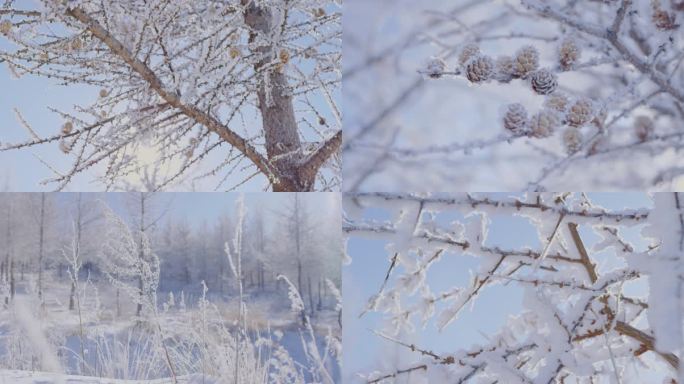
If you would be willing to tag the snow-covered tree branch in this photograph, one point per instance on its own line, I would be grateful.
(594, 294)
(515, 95)
(223, 91)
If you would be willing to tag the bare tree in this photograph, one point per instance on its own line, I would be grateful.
(7, 275)
(146, 217)
(187, 80)
(42, 211)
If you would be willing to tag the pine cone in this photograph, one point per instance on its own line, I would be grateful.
(67, 128)
(65, 146)
(435, 68)
(526, 61)
(572, 139)
(663, 20)
(515, 119)
(643, 128)
(569, 53)
(480, 69)
(76, 44)
(319, 12)
(543, 124)
(580, 113)
(5, 27)
(468, 52)
(284, 56)
(557, 101)
(544, 81)
(505, 69)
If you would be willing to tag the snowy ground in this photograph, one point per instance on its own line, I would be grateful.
(25, 377)
(54, 331)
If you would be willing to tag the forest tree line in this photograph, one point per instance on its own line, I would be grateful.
(49, 236)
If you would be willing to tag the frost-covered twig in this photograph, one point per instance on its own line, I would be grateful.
(575, 320)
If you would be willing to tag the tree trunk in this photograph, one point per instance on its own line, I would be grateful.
(299, 277)
(13, 287)
(220, 275)
(276, 107)
(41, 237)
(72, 303)
(312, 308)
(9, 264)
(320, 295)
(141, 253)
(140, 291)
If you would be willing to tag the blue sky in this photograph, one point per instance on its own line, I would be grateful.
(22, 170)
(362, 278)
(199, 207)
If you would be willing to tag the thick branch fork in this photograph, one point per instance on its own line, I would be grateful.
(298, 175)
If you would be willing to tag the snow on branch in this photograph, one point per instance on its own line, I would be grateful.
(529, 95)
(208, 88)
(586, 311)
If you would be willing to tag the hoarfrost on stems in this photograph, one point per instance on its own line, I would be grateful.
(586, 313)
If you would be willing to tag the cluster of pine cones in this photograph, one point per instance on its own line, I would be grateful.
(559, 110)
(479, 67)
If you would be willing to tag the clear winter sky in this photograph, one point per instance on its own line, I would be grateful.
(362, 278)
(207, 207)
(22, 170)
